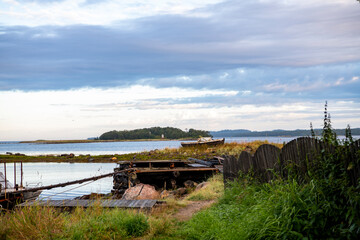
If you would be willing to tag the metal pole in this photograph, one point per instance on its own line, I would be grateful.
(14, 174)
(22, 175)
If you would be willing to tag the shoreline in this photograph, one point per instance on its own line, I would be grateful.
(95, 141)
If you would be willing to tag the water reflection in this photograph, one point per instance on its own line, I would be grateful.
(42, 174)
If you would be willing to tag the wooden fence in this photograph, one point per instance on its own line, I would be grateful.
(297, 155)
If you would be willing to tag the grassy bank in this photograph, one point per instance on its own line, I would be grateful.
(101, 223)
(164, 154)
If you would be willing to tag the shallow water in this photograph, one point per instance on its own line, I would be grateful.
(101, 148)
(43, 174)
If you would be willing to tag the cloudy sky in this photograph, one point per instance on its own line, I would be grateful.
(73, 69)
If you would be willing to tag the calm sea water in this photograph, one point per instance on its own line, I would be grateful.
(101, 148)
(43, 174)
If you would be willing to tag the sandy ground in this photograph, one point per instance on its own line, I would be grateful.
(193, 207)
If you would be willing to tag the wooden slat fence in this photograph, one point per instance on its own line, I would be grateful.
(296, 157)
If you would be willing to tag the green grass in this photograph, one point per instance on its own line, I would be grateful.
(213, 190)
(280, 210)
(92, 223)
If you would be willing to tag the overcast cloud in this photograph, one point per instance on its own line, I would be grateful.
(267, 53)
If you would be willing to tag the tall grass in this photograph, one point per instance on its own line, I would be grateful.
(281, 210)
(213, 190)
(91, 223)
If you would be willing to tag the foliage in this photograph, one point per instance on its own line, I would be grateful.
(327, 206)
(154, 133)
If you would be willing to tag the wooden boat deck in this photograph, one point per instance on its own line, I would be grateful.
(107, 203)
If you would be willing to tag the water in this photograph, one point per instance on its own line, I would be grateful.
(96, 148)
(101, 148)
(43, 174)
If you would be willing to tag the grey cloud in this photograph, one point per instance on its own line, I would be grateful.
(280, 46)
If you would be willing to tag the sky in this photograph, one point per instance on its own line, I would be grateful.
(74, 69)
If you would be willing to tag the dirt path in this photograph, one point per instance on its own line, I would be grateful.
(186, 213)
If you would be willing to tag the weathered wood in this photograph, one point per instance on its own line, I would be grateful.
(246, 162)
(298, 155)
(293, 160)
(231, 169)
(108, 203)
(267, 160)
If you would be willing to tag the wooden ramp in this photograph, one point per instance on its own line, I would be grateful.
(108, 203)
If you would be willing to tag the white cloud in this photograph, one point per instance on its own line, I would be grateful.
(67, 12)
(88, 112)
(85, 112)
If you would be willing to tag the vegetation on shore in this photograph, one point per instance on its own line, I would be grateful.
(154, 133)
(200, 152)
(323, 205)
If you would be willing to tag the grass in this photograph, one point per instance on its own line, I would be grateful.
(213, 190)
(282, 210)
(201, 152)
(100, 223)
(91, 223)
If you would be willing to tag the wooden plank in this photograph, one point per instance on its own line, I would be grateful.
(267, 159)
(246, 162)
(108, 203)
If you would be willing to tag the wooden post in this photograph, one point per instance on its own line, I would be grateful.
(14, 174)
(5, 178)
(22, 174)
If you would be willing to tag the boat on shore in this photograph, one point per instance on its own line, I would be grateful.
(204, 141)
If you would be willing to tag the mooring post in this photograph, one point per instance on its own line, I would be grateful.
(14, 174)
(22, 174)
(5, 175)
(5, 178)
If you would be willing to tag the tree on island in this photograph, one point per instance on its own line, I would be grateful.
(153, 133)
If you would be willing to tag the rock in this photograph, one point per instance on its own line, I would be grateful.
(141, 191)
(180, 192)
(114, 158)
(90, 160)
(189, 184)
(202, 185)
(164, 194)
(71, 155)
(9, 153)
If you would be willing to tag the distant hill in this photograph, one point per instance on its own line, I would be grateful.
(275, 133)
(153, 133)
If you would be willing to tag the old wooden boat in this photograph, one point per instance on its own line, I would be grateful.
(204, 142)
(164, 174)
